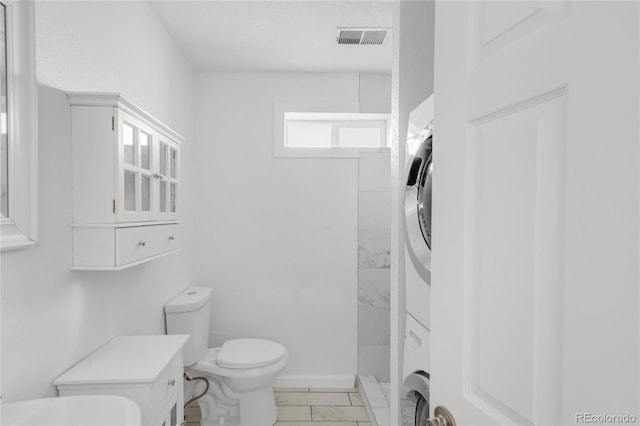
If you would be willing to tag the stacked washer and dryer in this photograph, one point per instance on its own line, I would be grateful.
(417, 227)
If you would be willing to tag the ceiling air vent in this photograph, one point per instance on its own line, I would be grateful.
(364, 36)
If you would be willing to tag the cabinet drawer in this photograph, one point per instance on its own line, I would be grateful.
(169, 237)
(140, 242)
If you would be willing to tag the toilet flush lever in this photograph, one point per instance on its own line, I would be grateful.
(172, 382)
(142, 243)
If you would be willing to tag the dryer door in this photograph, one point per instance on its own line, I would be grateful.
(424, 198)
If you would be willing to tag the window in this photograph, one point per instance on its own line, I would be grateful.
(327, 134)
(329, 130)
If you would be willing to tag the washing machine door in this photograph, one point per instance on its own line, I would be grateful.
(415, 400)
(418, 208)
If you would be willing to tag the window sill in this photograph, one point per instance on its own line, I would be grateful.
(12, 238)
(282, 152)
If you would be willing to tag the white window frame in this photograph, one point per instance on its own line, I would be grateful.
(338, 120)
(20, 228)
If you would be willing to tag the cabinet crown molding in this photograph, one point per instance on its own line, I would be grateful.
(117, 100)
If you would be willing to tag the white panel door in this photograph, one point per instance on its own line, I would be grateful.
(535, 212)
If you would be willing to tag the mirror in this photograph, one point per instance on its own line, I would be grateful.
(18, 126)
(4, 189)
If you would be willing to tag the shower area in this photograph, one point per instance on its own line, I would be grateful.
(374, 262)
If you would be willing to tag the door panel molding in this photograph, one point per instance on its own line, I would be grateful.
(496, 25)
(517, 294)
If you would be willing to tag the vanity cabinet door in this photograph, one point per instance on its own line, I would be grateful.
(171, 418)
(173, 415)
(167, 394)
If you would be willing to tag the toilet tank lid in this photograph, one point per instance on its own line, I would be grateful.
(193, 298)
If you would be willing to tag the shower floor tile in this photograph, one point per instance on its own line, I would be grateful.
(375, 396)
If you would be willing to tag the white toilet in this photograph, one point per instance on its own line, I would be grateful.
(240, 373)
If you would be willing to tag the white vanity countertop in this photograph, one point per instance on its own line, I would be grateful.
(124, 359)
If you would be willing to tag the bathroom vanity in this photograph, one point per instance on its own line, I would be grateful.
(146, 369)
(126, 183)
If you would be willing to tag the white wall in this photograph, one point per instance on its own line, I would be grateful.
(374, 229)
(375, 93)
(51, 316)
(278, 237)
(412, 82)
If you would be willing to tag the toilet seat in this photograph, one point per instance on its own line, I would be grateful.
(208, 364)
(249, 353)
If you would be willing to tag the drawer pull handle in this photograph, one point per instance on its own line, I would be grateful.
(171, 238)
(142, 243)
(172, 382)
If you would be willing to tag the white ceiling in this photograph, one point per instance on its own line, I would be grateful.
(294, 35)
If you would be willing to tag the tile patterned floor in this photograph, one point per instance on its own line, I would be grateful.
(376, 398)
(310, 407)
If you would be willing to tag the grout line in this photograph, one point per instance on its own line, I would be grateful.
(337, 406)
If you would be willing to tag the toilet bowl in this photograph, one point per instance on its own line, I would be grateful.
(240, 373)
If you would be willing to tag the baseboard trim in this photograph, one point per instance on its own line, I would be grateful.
(330, 381)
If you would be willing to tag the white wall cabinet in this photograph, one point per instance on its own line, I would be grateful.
(126, 183)
(145, 369)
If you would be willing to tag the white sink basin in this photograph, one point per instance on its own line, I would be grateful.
(81, 410)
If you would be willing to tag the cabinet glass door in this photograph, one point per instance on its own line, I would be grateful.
(168, 167)
(130, 161)
(145, 171)
(136, 149)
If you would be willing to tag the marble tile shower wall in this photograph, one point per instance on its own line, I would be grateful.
(374, 242)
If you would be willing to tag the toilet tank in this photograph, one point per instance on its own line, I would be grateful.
(189, 313)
